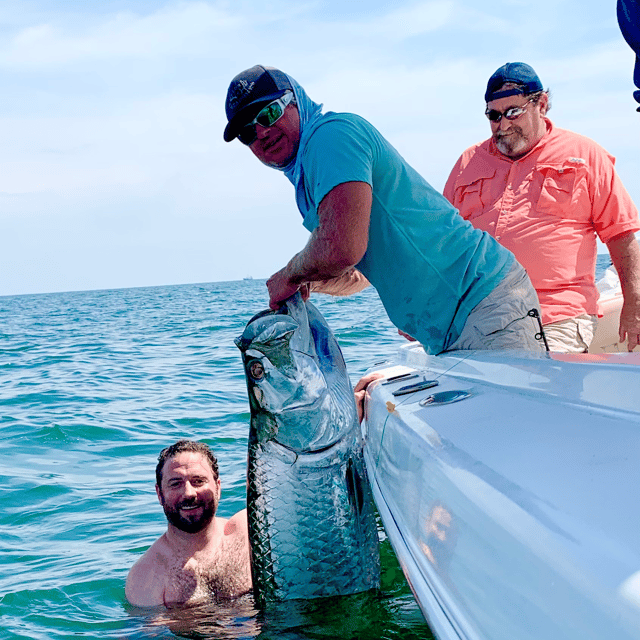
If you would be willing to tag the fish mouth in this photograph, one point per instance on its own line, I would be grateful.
(277, 325)
(262, 314)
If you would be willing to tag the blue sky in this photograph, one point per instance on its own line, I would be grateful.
(113, 168)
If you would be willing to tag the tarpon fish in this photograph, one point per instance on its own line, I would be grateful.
(311, 520)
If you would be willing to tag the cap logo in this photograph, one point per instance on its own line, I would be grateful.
(240, 91)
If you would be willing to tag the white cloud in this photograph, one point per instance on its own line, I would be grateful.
(185, 28)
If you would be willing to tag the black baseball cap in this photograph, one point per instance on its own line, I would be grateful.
(248, 92)
(516, 72)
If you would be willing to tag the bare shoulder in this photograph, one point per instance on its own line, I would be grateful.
(237, 525)
(147, 577)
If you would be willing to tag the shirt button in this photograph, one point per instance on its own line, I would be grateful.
(498, 237)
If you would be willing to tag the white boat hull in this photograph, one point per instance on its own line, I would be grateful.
(514, 511)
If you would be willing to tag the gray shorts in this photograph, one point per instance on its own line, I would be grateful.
(501, 320)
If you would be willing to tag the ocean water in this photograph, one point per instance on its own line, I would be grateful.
(92, 386)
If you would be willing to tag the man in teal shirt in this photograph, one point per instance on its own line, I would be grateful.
(440, 280)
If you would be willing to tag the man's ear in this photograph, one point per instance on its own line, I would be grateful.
(159, 494)
(544, 104)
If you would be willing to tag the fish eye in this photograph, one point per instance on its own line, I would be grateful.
(256, 370)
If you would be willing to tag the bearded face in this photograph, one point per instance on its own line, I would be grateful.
(191, 514)
(512, 143)
(516, 136)
(189, 493)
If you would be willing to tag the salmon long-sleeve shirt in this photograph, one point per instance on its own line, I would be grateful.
(547, 208)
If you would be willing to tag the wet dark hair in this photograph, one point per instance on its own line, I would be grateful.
(180, 447)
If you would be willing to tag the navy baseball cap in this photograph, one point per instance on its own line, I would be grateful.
(516, 72)
(248, 92)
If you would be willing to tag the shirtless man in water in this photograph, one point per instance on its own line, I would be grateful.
(200, 557)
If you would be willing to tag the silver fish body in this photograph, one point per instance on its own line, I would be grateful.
(311, 519)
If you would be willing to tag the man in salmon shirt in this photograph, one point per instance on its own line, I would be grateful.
(545, 193)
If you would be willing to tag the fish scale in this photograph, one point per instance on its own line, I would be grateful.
(311, 517)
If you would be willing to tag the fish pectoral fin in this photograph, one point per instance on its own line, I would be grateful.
(354, 486)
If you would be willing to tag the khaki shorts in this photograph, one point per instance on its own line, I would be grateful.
(501, 320)
(572, 335)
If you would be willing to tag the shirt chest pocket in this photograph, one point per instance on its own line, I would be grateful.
(473, 195)
(563, 191)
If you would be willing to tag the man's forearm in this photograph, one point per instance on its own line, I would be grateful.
(625, 255)
(317, 261)
(336, 245)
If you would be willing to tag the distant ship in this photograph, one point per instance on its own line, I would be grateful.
(248, 278)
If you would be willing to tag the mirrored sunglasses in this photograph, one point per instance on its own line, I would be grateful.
(267, 117)
(510, 114)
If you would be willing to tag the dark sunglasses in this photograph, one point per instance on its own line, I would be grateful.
(510, 114)
(267, 117)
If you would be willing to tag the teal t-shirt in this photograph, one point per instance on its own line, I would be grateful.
(430, 266)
